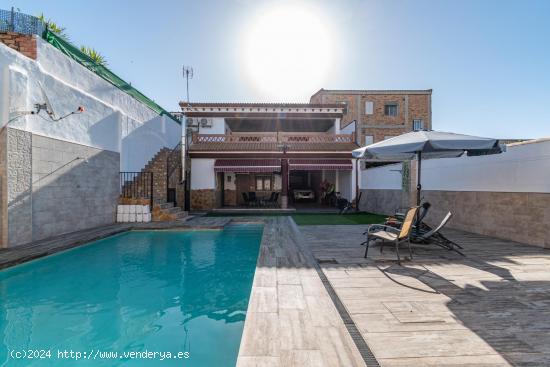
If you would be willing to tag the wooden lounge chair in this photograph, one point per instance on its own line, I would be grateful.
(391, 234)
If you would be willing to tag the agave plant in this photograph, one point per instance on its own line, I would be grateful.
(54, 27)
(94, 55)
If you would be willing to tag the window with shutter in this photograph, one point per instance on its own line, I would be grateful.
(369, 107)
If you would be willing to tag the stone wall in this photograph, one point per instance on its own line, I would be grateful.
(54, 187)
(411, 105)
(230, 198)
(517, 216)
(382, 201)
(203, 199)
(19, 186)
(26, 44)
(3, 188)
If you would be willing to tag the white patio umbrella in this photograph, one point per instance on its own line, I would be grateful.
(427, 144)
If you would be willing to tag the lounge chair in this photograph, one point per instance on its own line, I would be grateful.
(392, 234)
(397, 218)
(426, 234)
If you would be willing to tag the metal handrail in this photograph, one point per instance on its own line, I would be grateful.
(136, 185)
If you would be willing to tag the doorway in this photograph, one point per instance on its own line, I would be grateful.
(242, 185)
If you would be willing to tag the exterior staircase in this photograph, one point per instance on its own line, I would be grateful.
(167, 212)
(140, 190)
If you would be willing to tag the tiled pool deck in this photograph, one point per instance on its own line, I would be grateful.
(490, 308)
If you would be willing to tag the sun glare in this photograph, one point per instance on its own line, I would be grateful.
(287, 52)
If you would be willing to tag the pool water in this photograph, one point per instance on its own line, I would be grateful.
(153, 291)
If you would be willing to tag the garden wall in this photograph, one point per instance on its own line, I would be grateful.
(61, 176)
(506, 195)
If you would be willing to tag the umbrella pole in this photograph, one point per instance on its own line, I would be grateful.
(418, 182)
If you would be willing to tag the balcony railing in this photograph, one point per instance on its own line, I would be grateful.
(281, 137)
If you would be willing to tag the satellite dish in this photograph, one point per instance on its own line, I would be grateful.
(49, 108)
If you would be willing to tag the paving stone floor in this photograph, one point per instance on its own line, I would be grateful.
(489, 308)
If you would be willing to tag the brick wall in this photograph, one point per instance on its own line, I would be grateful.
(26, 44)
(413, 105)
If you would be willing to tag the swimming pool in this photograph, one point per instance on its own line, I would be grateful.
(171, 292)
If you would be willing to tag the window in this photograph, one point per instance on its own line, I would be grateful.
(418, 124)
(390, 109)
(263, 183)
(369, 107)
(369, 139)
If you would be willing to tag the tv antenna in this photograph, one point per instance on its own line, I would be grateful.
(47, 106)
(187, 74)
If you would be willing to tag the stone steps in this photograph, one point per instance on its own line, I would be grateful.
(167, 212)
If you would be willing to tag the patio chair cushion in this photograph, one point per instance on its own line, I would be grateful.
(384, 235)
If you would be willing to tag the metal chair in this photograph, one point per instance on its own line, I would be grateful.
(252, 198)
(269, 202)
(245, 198)
(391, 234)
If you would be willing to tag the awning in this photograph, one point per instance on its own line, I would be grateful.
(247, 165)
(320, 164)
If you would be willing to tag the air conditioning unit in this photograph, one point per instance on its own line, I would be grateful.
(206, 123)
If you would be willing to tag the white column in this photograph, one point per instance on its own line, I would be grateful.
(353, 175)
(337, 179)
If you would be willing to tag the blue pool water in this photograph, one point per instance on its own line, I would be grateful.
(154, 291)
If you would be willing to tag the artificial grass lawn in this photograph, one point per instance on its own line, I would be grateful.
(306, 219)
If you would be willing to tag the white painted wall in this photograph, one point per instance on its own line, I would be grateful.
(522, 168)
(230, 181)
(344, 184)
(202, 174)
(218, 126)
(385, 177)
(113, 120)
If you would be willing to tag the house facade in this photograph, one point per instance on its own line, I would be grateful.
(240, 150)
(381, 114)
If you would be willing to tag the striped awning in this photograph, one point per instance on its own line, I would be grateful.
(247, 165)
(320, 164)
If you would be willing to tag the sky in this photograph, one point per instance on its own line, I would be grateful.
(487, 61)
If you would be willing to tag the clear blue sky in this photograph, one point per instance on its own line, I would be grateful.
(488, 61)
